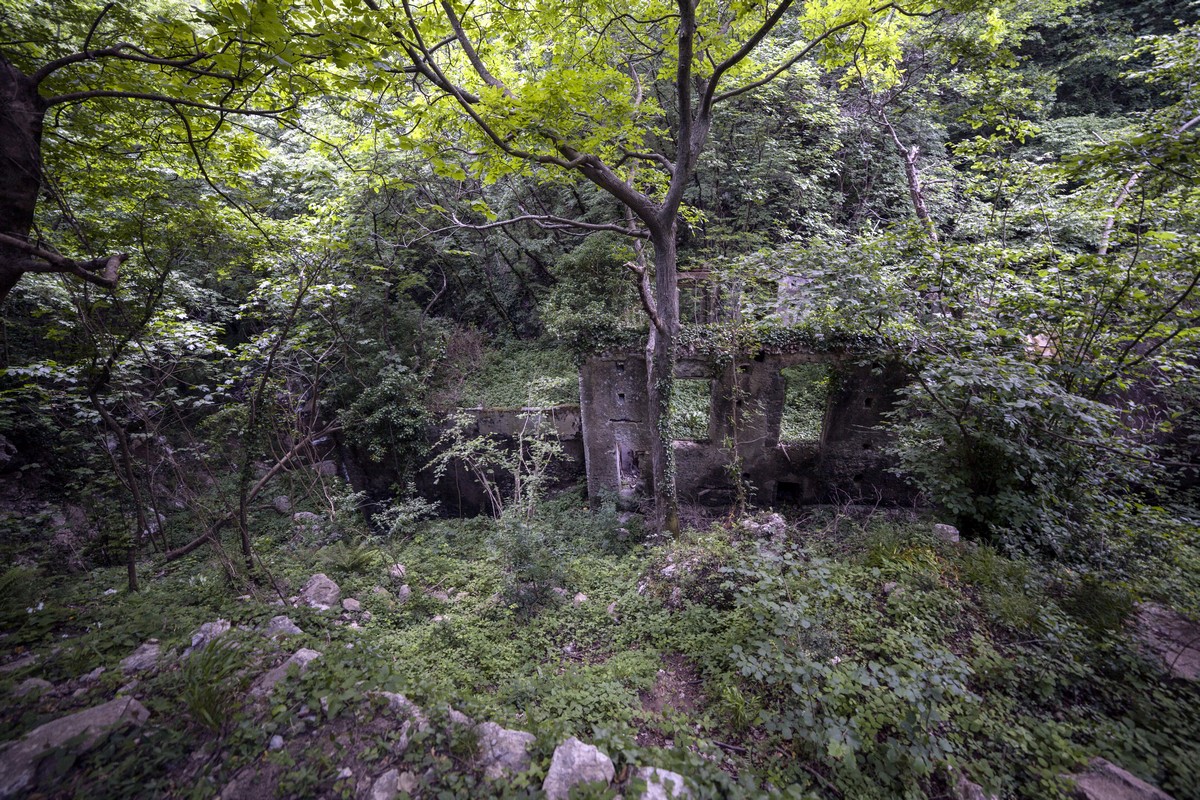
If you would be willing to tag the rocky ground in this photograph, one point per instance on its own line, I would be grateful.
(459, 672)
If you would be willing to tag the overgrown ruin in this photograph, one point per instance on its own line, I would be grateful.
(743, 442)
(740, 440)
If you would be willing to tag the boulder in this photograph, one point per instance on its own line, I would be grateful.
(326, 469)
(141, 660)
(502, 752)
(19, 761)
(27, 660)
(300, 659)
(282, 504)
(662, 785)
(308, 522)
(34, 686)
(410, 714)
(580, 599)
(397, 572)
(947, 533)
(403, 593)
(386, 786)
(965, 789)
(282, 625)
(90, 677)
(1170, 637)
(205, 634)
(1106, 781)
(320, 592)
(575, 763)
(772, 526)
(351, 605)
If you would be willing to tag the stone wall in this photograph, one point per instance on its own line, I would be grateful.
(606, 437)
(457, 489)
(747, 405)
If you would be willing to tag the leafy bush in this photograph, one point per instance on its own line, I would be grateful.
(1015, 457)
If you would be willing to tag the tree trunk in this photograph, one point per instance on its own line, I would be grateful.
(21, 111)
(660, 376)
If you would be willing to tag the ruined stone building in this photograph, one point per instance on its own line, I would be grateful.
(787, 426)
(743, 430)
(745, 436)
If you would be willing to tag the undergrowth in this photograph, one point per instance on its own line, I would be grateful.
(855, 656)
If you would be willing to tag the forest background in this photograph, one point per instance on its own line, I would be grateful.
(237, 235)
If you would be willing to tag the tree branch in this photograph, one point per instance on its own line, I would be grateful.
(552, 222)
(643, 285)
(117, 51)
(215, 528)
(472, 56)
(786, 65)
(78, 97)
(100, 271)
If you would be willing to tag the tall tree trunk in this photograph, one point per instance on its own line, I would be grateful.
(660, 377)
(21, 111)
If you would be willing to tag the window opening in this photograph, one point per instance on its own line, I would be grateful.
(691, 409)
(806, 397)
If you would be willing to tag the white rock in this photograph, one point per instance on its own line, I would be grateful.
(92, 676)
(307, 521)
(351, 605)
(282, 625)
(206, 633)
(1171, 637)
(321, 592)
(575, 763)
(662, 785)
(276, 743)
(18, 761)
(143, 659)
(386, 786)
(502, 752)
(398, 571)
(34, 686)
(403, 707)
(947, 533)
(772, 526)
(27, 660)
(580, 599)
(300, 659)
(1107, 781)
(965, 789)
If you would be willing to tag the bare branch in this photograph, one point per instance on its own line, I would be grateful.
(472, 56)
(747, 46)
(552, 222)
(118, 51)
(644, 291)
(100, 271)
(785, 66)
(96, 24)
(79, 97)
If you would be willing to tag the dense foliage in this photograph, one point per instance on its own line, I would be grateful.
(262, 257)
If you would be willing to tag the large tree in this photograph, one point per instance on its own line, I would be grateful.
(72, 70)
(622, 95)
